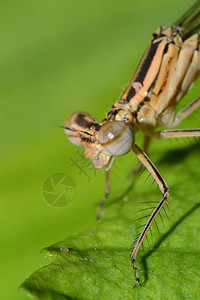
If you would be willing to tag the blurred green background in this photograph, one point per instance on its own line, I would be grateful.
(58, 57)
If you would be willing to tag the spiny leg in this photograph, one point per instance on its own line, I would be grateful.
(107, 192)
(165, 192)
(107, 188)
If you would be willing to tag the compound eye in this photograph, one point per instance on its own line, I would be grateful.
(116, 137)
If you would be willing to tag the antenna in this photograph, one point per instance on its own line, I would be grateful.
(68, 128)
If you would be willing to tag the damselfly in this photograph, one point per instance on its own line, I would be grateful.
(164, 75)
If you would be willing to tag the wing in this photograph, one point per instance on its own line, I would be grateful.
(189, 23)
(185, 26)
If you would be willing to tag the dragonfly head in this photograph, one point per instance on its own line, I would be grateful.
(100, 140)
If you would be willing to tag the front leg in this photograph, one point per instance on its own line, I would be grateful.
(107, 187)
(165, 192)
(107, 192)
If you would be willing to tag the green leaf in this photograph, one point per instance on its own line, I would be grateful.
(96, 264)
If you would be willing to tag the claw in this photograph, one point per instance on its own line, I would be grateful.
(137, 281)
(136, 274)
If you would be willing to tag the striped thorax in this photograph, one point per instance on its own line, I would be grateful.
(166, 72)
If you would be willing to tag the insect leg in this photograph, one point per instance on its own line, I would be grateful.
(165, 192)
(177, 133)
(140, 166)
(186, 111)
(107, 188)
(147, 141)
